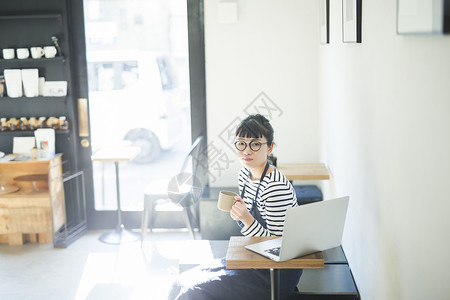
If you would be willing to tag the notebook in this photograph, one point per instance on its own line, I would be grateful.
(307, 229)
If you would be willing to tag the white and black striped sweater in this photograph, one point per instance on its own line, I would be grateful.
(275, 196)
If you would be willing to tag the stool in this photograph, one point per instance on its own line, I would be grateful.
(307, 194)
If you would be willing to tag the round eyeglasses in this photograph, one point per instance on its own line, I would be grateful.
(254, 145)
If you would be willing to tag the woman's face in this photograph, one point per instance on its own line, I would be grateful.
(251, 157)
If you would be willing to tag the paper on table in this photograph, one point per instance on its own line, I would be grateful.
(23, 145)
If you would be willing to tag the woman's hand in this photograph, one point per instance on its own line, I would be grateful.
(239, 212)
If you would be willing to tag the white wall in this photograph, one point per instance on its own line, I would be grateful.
(378, 113)
(271, 49)
(385, 127)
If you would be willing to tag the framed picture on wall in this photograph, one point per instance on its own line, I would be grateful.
(351, 21)
(423, 17)
(324, 17)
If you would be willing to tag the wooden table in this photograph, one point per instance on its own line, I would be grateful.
(304, 171)
(117, 154)
(238, 257)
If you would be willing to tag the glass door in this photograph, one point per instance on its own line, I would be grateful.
(138, 78)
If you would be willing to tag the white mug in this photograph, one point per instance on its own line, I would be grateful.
(37, 52)
(22, 53)
(50, 51)
(8, 53)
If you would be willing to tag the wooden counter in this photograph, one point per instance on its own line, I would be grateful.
(304, 171)
(36, 210)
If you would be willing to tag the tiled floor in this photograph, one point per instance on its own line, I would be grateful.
(90, 269)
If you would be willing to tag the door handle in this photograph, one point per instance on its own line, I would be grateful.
(83, 117)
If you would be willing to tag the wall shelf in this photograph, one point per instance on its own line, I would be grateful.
(31, 16)
(32, 98)
(34, 60)
(30, 132)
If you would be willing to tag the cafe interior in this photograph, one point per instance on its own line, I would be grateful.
(356, 90)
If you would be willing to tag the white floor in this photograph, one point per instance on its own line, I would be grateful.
(90, 269)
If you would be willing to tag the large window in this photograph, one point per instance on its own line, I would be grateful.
(138, 75)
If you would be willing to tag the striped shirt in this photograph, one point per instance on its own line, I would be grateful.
(275, 196)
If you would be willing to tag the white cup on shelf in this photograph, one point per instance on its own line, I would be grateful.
(50, 51)
(13, 79)
(8, 53)
(22, 53)
(30, 80)
(37, 52)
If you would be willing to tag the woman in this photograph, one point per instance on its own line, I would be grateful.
(260, 210)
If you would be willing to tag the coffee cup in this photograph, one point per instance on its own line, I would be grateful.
(30, 82)
(37, 52)
(226, 200)
(13, 78)
(50, 51)
(8, 53)
(22, 53)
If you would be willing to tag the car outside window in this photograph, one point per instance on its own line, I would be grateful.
(110, 76)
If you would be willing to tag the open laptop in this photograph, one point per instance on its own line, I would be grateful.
(308, 228)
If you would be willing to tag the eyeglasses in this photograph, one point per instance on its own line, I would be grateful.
(254, 145)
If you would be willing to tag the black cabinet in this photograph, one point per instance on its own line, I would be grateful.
(34, 26)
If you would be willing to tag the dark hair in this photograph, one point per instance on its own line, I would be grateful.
(255, 126)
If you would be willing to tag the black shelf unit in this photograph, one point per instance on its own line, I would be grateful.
(28, 29)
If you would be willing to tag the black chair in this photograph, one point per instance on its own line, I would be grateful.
(181, 193)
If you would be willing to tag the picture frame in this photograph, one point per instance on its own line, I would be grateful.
(416, 17)
(351, 21)
(324, 19)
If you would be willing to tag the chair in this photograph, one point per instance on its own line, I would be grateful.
(181, 193)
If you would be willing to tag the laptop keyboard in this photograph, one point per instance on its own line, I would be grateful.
(274, 251)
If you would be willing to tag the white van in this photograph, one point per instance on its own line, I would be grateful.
(133, 95)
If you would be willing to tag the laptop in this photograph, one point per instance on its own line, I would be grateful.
(308, 228)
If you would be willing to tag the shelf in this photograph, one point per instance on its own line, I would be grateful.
(31, 16)
(27, 196)
(34, 60)
(32, 98)
(30, 132)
